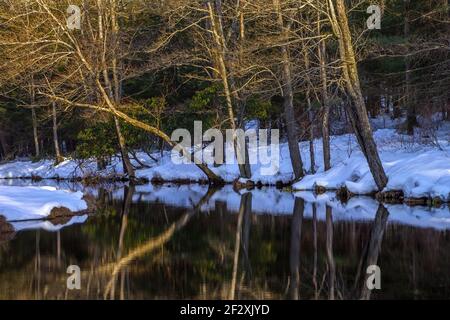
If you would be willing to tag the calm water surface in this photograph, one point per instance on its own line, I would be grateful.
(188, 242)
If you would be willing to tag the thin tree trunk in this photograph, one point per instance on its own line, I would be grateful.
(312, 156)
(374, 105)
(288, 100)
(397, 112)
(356, 109)
(411, 118)
(4, 144)
(325, 102)
(34, 118)
(116, 92)
(35, 131)
(127, 166)
(32, 93)
(59, 158)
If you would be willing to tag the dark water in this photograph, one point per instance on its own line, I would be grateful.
(191, 243)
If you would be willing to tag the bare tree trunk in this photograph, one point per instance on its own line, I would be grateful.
(356, 109)
(34, 118)
(4, 144)
(312, 156)
(58, 156)
(411, 117)
(35, 132)
(397, 112)
(325, 102)
(220, 57)
(32, 93)
(288, 97)
(128, 168)
(116, 91)
(374, 105)
(291, 124)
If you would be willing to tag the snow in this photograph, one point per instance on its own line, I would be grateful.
(30, 203)
(65, 170)
(416, 169)
(414, 165)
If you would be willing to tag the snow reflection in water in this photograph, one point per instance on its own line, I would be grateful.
(265, 201)
(190, 242)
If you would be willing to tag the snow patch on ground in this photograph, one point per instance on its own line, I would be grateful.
(27, 203)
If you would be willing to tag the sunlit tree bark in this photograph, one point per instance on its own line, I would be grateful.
(356, 109)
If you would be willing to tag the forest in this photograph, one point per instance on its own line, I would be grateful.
(108, 79)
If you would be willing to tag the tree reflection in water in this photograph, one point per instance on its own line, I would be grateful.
(371, 253)
(295, 251)
(134, 248)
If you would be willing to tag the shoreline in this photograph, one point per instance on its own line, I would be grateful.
(342, 193)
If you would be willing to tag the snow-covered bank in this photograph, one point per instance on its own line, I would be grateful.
(31, 203)
(68, 169)
(414, 165)
(419, 170)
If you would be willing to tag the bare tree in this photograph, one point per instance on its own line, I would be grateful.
(34, 117)
(221, 57)
(58, 155)
(356, 109)
(288, 96)
(321, 52)
(89, 61)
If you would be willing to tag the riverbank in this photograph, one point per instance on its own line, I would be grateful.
(418, 168)
(41, 207)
